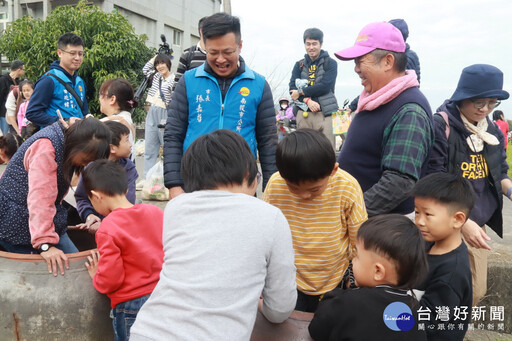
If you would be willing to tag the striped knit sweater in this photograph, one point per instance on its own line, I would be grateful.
(190, 59)
(324, 229)
(154, 97)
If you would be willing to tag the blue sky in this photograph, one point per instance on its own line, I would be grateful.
(447, 35)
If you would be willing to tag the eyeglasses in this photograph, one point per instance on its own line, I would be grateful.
(80, 54)
(226, 53)
(479, 104)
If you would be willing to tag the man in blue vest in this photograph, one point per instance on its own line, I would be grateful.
(320, 71)
(54, 90)
(390, 138)
(223, 93)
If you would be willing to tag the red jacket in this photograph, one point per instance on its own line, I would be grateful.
(131, 253)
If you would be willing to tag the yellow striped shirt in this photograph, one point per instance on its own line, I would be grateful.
(324, 229)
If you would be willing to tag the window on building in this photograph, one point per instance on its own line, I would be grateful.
(177, 37)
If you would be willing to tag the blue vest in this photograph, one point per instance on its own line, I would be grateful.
(14, 213)
(363, 155)
(208, 112)
(62, 99)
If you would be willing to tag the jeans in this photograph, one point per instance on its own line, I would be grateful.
(123, 316)
(4, 126)
(65, 244)
(153, 136)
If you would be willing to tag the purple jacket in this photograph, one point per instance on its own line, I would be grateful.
(288, 113)
(84, 206)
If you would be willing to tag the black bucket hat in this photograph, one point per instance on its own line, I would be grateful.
(480, 81)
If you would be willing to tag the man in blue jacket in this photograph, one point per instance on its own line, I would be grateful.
(320, 71)
(51, 95)
(223, 93)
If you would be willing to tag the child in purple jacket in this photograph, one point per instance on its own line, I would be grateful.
(120, 150)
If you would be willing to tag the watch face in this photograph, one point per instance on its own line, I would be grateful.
(45, 247)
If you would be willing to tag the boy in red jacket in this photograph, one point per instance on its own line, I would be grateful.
(127, 266)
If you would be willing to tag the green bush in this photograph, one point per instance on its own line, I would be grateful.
(111, 46)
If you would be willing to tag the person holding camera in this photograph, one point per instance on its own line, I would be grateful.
(159, 96)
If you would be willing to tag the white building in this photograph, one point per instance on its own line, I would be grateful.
(176, 19)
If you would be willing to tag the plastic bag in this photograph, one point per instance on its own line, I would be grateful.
(340, 122)
(154, 188)
(139, 147)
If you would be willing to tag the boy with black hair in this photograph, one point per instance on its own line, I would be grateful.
(324, 206)
(120, 150)
(60, 88)
(442, 205)
(224, 249)
(127, 265)
(390, 260)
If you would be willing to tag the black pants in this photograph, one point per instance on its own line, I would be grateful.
(309, 303)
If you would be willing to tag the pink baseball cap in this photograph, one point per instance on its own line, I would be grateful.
(377, 35)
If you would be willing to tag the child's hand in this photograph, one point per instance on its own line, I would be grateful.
(92, 224)
(92, 263)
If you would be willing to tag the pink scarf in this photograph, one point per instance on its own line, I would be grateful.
(387, 93)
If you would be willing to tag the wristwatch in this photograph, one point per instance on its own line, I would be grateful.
(44, 247)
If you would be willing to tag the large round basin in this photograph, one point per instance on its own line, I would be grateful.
(295, 328)
(35, 305)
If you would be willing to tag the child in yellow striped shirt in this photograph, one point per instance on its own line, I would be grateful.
(324, 207)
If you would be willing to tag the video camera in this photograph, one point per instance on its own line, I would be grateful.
(165, 48)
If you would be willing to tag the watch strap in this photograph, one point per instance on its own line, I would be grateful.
(48, 246)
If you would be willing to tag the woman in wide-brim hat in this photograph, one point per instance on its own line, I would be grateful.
(469, 144)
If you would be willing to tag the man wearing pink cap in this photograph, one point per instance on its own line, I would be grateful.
(390, 138)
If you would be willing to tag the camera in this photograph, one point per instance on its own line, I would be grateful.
(165, 48)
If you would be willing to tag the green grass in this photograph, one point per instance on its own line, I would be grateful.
(509, 159)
